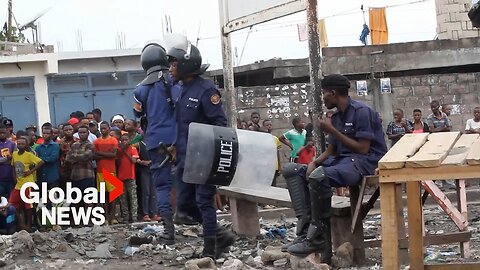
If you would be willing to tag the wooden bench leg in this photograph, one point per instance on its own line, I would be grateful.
(357, 235)
(462, 207)
(244, 217)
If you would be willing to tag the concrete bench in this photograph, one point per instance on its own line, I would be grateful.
(245, 218)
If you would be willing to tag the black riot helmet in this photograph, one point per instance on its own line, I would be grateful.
(154, 60)
(189, 60)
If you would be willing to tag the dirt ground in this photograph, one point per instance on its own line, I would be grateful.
(105, 246)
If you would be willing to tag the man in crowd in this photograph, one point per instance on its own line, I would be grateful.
(49, 152)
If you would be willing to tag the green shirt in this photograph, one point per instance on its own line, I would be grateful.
(136, 139)
(296, 139)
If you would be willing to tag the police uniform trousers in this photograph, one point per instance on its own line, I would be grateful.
(162, 179)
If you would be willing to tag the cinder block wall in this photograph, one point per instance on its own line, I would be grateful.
(461, 90)
(453, 21)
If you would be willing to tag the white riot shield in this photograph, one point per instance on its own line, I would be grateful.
(229, 157)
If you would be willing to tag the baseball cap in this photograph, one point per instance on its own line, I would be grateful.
(93, 123)
(73, 121)
(8, 122)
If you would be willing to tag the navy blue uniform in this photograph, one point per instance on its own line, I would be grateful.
(346, 168)
(200, 103)
(151, 101)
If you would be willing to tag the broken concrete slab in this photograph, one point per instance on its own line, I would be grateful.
(343, 256)
(312, 261)
(203, 263)
(102, 251)
(271, 254)
(232, 264)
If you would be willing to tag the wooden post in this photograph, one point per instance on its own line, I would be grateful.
(315, 61)
(228, 77)
(415, 227)
(462, 206)
(388, 206)
(244, 217)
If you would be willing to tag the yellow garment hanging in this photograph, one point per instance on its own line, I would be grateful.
(322, 33)
(378, 26)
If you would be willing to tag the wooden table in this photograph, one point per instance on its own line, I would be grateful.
(416, 158)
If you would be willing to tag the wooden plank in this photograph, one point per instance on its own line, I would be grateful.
(434, 151)
(428, 240)
(473, 157)
(388, 207)
(458, 266)
(415, 225)
(459, 152)
(442, 200)
(437, 173)
(462, 207)
(406, 147)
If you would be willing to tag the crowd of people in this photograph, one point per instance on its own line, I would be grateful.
(78, 151)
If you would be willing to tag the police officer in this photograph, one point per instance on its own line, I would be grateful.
(199, 102)
(155, 102)
(356, 144)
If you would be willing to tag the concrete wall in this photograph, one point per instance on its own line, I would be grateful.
(461, 90)
(453, 21)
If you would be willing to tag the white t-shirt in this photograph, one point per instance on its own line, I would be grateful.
(471, 124)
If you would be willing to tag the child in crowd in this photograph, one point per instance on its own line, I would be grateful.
(473, 124)
(25, 164)
(80, 157)
(119, 122)
(267, 124)
(306, 153)
(106, 153)
(127, 158)
(254, 124)
(295, 138)
(418, 125)
(438, 121)
(149, 200)
(398, 127)
(131, 128)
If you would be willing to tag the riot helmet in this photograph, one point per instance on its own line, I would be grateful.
(154, 60)
(187, 56)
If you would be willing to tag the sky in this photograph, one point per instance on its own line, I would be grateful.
(100, 21)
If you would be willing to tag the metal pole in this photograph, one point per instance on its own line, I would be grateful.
(228, 78)
(315, 60)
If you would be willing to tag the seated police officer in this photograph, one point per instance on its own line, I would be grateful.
(355, 145)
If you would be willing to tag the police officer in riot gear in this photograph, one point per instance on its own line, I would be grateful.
(199, 102)
(154, 102)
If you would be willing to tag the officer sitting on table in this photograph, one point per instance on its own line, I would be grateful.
(355, 145)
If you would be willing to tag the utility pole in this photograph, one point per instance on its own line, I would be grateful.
(9, 23)
(315, 60)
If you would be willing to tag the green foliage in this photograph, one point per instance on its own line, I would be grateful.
(17, 36)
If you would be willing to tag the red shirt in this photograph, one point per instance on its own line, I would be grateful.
(126, 169)
(106, 145)
(306, 155)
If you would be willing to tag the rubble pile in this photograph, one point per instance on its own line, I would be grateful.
(138, 245)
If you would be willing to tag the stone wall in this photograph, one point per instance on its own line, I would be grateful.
(453, 21)
(461, 90)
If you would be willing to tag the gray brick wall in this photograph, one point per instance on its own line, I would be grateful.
(452, 19)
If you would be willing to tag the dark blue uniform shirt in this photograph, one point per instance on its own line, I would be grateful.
(359, 121)
(160, 116)
(200, 103)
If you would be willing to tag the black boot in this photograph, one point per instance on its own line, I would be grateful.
(326, 255)
(209, 247)
(318, 234)
(225, 239)
(182, 218)
(168, 236)
(302, 228)
(299, 194)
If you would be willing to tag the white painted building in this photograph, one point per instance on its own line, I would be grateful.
(47, 87)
